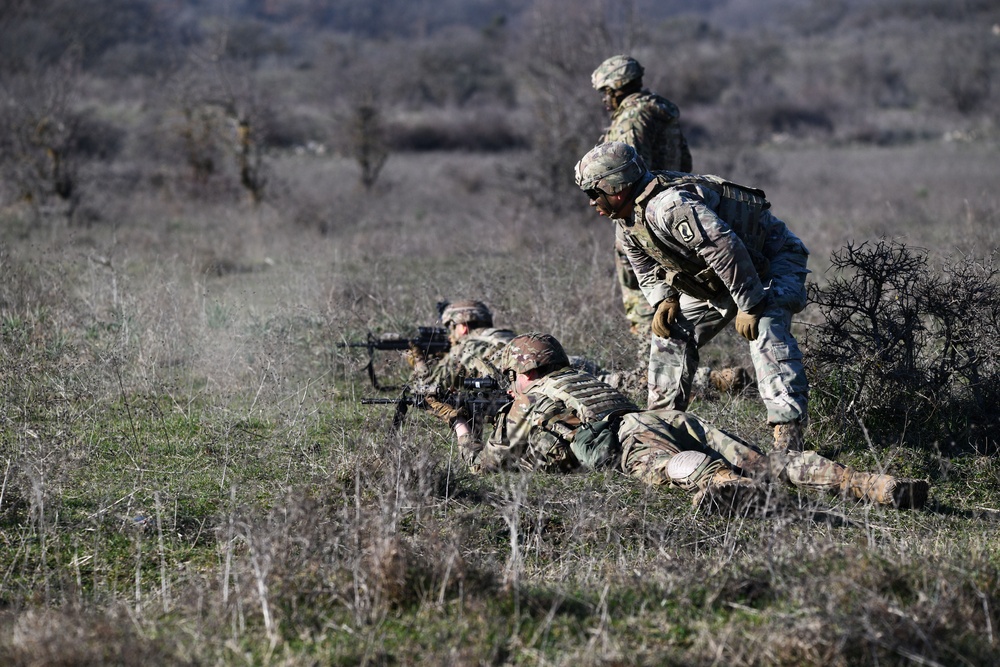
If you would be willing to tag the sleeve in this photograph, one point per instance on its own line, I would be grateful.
(688, 219)
(637, 129)
(646, 269)
(447, 373)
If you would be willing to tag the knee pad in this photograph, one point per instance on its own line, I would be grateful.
(691, 469)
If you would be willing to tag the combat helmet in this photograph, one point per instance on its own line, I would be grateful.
(532, 350)
(609, 168)
(467, 312)
(616, 72)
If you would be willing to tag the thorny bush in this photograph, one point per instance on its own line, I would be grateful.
(906, 351)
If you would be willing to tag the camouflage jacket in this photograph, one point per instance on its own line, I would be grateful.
(538, 430)
(683, 219)
(475, 355)
(651, 124)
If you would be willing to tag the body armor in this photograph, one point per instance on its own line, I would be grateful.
(591, 399)
(739, 206)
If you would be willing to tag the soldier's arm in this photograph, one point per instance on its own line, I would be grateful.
(638, 129)
(647, 270)
(446, 373)
(690, 220)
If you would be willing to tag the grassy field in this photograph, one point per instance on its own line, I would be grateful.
(189, 478)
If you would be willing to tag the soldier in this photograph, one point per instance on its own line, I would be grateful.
(475, 343)
(650, 124)
(706, 252)
(475, 350)
(563, 419)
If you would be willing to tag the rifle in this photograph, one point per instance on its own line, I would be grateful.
(481, 397)
(429, 341)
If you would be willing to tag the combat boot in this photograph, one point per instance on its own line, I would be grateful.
(885, 489)
(730, 380)
(790, 437)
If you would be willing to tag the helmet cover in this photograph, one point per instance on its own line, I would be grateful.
(616, 72)
(610, 168)
(533, 350)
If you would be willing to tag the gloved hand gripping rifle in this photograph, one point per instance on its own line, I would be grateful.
(479, 399)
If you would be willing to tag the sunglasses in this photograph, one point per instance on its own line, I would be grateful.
(593, 193)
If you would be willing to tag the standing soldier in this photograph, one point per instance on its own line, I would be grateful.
(707, 251)
(563, 419)
(650, 124)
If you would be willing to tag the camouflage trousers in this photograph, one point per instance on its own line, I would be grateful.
(650, 439)
(777, 360)
(637, 309)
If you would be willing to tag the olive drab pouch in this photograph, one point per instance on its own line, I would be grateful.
(596, 444)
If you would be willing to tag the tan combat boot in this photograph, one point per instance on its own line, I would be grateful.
(730, 380)
(885, 489)
(790, 437)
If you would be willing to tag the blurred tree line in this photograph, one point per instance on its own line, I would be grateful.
(200, 92)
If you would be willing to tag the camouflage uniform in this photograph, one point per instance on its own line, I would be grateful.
(474, 355)
(567, 420)
(651, 124)
(716, 247)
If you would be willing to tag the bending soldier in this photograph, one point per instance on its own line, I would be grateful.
(563, 419)
(705, 252)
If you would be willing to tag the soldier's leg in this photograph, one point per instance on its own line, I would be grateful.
(810, 470)
(651, 439)
(777, 360)
(673, 361)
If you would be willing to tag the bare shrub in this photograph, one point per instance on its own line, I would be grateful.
(906, 350)
(39, 135)
(482, 131)
(563, 43)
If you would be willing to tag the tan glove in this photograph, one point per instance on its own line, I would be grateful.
(746, 322)
(442, 410)
(666, 312)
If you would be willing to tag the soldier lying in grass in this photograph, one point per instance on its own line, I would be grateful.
(562, 419)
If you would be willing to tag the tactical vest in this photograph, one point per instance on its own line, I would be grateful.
(739, 206)
(587, 396)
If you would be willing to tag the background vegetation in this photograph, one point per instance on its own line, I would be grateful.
(200, 199)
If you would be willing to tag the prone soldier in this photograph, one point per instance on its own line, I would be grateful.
(563, 419)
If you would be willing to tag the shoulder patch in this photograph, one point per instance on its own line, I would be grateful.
(687, 231)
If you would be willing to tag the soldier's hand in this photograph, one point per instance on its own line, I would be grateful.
(469, 443)
(666, 312)
(415, 358)
(747, 321)
(442, 410)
